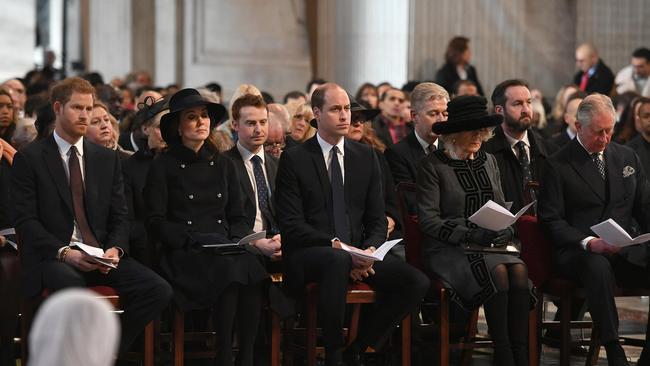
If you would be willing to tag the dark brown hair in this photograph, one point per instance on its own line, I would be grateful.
(455, 49)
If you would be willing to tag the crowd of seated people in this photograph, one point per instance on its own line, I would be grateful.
(158, 177)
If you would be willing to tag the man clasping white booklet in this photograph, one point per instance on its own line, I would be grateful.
(611, 232)
(96, 253)
(376, 256)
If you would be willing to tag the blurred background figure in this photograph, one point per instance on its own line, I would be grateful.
(367, 93)
(593, 75)
(457, 66)
(301, 130)
(634, 77)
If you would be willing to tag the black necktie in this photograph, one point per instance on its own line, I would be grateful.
(341, 227)
(77, 190)
(600, 164)
(431, 148)
(524, 162)
(263, 195)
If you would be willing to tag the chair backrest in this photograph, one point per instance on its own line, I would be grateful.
(536, 249)
(530, 194)
(410, 224)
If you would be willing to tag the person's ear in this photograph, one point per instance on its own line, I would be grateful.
(498, 109)
(57, 107)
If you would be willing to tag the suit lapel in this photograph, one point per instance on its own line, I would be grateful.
(91, 179)
(614, 171)
(271, 168)
(245, 180)
(54, 165)
(584, 166)
(321, 170)
(416, 149)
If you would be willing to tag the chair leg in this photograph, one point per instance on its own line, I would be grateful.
(444, 328)
(406, 340)
(148, 344)
(275, 339)
(312, 317)
(594, 348)
(533, 356)
(353, 330)
(470, 334)
(565, 330)
(179, 337)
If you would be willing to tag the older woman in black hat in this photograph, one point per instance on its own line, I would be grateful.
(453, 184)
(193, 197)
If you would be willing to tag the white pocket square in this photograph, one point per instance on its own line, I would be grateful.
(627, 171)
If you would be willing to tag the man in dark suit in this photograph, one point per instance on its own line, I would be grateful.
(519, 150)
(66, 189)
(429, 102)
(256, 169)
(586, 182)
(593, 75)
(641, 143)
(329, 192)
(389, 125)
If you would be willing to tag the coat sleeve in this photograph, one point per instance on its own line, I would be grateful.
(25, 209)
(452, 231)
(398, 166)
(171, 234)
(290, 203)
(641, 209)
(237, 220)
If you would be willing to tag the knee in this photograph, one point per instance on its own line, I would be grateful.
(597, 269)
(339, 260)
(420, 283)
(58, 275)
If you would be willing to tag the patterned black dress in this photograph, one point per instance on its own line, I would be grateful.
(450, 191)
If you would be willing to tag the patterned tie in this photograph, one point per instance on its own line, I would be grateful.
(339, 212)
(431, 148)
(78, 203)
(263, 195)
(524, 162)
(600, 164)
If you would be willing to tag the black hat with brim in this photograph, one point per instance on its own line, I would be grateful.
(180, 101)
(466, 113)
(355, 109)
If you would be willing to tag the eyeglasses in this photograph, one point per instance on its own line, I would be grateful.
(274, 145)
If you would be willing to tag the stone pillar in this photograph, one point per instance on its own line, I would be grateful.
(110, 38)
(143, 37)
(363, 40)
(165, 42)
(18, 38)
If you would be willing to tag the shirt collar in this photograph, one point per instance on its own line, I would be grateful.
(247, 155)
(592, 70)
(64, 146)
(570, 133)
(326, 146)
(513, 141)
(424, 144)
(583, 146)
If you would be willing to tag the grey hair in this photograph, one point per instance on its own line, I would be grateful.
(449, 140)
(425, 92)
(592, 105)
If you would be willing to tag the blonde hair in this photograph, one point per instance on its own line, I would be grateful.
(425, 92)
(449, 140)
(305, 111)
(242, 90)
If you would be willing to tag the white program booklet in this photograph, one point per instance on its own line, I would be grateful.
(611, 232)
(376, 256)
(96, 253)
(10, 231)
(495, 217)
(244, 241)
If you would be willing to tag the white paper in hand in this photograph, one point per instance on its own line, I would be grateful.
(611, 232)
(244, 241)
(10, 231)
(493, 216)
(376, 256)
(96, 253)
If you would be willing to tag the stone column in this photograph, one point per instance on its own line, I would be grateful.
(165, 42)
(110, 38)
(363, 40)
(18, 38)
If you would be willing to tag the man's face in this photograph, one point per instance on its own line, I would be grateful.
(467, 89)
(585, 59)
(18, 90)
(570, 114)
(334, 118)
(73, 117)
(392, 104)
(432, 111)
(518, 111)
(643, 118)
(596, 135)
(641, 66)
(252, 127)
(275, 142)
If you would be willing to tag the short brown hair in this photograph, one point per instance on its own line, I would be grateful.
(318, 96)
(62, 90)
(246, 100)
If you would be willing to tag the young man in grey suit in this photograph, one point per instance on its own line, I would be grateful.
(589, 180)
(328, 191)
(66, 189)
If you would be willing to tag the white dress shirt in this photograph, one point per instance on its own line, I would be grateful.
(246, 157)
(425, 144)
(513, 144)
(326, 147)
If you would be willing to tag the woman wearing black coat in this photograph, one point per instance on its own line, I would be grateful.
(193, 197)
(457, 66)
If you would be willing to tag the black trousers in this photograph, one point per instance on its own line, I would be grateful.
(599, 275)
(400, 289)
(143, 293)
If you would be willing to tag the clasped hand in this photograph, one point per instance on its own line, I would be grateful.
(486, 237)
(598, 245)
(86, 263)
(271, 248)
(361, 268)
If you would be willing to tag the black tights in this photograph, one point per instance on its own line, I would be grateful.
(506, 314)
(243, 302)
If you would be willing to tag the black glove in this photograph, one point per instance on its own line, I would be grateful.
(481, 236)
(504, 236)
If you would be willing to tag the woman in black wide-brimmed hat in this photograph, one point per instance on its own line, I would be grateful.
(193, 198)
(453, 184)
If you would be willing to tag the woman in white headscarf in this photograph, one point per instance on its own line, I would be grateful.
(74, 327)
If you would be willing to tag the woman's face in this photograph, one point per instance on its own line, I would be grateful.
(152, 131)
(194, 125)
(369, 95)
(6, 111)
(300, 126)
(469, 142)
(467, 56)
(356, 130)
(100, 130)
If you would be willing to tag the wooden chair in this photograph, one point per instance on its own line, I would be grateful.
(440, 292)
(357, 295)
